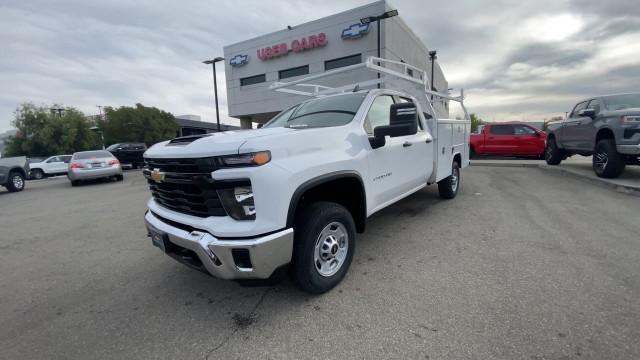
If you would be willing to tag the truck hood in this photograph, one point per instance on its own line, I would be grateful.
(215, 144)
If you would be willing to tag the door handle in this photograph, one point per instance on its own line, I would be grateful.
(429, 140)
(406, 144)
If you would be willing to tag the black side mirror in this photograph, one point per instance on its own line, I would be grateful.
(403, 120)
(260, 125)
(587, 112)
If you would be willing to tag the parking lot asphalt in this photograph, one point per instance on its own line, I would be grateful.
(523, 264)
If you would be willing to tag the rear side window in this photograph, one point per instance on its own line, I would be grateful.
(501, 130)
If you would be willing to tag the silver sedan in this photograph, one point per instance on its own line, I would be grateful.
(87, 165)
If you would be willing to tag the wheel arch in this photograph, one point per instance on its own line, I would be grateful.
(604, 133)
(18, 170)
(343, 187)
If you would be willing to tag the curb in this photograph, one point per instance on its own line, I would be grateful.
(628, 189)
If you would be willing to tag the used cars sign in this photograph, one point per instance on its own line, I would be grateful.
(297, 45)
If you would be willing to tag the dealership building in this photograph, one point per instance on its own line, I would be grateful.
(314, 47)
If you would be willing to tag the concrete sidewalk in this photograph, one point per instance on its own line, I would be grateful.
(578, 166)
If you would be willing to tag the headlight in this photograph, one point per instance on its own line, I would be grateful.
(249, 159)
(238, 202)
(631, 119)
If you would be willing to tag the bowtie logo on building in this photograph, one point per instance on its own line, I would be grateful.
(355, 31)
(239, 60)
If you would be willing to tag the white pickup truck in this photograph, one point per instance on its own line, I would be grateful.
(240, 205)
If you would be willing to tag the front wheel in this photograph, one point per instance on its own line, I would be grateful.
(448, 187)
(16, 182)
(324, 246)
(37, 174)
(606, 161)
(552, 154)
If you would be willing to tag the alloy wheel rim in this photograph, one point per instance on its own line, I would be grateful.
(600, 160)
(454, 179)
(18, 183)
(331, 249)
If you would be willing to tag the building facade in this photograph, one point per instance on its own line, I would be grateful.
(314, 47)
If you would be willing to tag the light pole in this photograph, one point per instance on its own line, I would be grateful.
(370, 19)
(432, 56)
(57, 110)
(215, 85)
(98, 130)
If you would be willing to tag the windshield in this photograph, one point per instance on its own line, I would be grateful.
(113, 147)
(330, 111)
(622, 102)
(92, 155)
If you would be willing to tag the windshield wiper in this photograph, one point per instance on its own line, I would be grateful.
(322, 112)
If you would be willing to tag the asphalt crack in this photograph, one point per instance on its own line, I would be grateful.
(242, 322)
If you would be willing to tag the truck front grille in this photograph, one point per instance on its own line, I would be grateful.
(184, 185)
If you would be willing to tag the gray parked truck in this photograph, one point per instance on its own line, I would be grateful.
(607, 127)
(13, 172)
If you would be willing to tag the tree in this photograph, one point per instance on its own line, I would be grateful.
(137, 124)
(42, 132)
(475, 122)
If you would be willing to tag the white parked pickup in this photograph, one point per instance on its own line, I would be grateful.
(241, 204)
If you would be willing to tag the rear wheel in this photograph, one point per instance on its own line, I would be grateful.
(324, 246)
(607, 163)
(448, 187)
(119, 177)
(552, 154)
(16, 182)
(75, 182)
(37, 174)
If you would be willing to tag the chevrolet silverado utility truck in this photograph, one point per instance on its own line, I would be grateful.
(241, 204)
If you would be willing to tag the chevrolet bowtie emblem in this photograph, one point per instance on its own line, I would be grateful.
(157, 175)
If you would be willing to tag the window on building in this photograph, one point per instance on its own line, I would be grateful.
(253, 80)
(296, 71)
(342, 62)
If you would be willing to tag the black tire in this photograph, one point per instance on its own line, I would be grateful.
(75, 182)
(15, 182)
(315, 220)
(37, 174)
(119, 177)
(552, 153)
(449, 186)
(606, 161)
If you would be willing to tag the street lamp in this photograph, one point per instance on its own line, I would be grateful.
(215, 85)
(57, 110)
(432, 56)
(370, 19)
(98, 130)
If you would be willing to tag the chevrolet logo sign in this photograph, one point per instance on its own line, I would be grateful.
(157, 175)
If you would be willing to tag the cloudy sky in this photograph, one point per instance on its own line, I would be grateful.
(517, 59)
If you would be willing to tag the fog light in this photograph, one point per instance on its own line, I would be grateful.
(213, 256)
(238, 202)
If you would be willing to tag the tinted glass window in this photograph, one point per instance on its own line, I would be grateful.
(523, 130)
(577, 109)
(621, 102)
(66, 158)
(342, 62)
(112, 147)
(595, 104)
(297, 71)
(281, 119)
(92, 155)
(378, 114)
(501, 130)
(323, 112)
(253, 80)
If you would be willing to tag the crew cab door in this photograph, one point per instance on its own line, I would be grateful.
(527, 140)
(55, 165)
(570, 133)
(585, 129)
(402, 164)
(499, 140)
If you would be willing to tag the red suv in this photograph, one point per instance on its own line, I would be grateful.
(508, 139)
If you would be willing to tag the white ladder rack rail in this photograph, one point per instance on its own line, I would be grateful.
(375, 64)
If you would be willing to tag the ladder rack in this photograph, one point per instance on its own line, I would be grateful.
(382, 66)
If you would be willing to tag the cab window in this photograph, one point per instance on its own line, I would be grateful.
(501, 130)
(523, 130)
(378, 114)
(595, 105)
(580, 106)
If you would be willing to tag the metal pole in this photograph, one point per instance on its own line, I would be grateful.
(215, 91)
(378, 31)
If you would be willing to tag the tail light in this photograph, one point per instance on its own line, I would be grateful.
(75, 166)
(114, 162)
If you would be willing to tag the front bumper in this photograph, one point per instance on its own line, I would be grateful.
(202, 251)
(629, 149)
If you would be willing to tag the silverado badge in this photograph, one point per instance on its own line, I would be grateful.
(157, 175)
